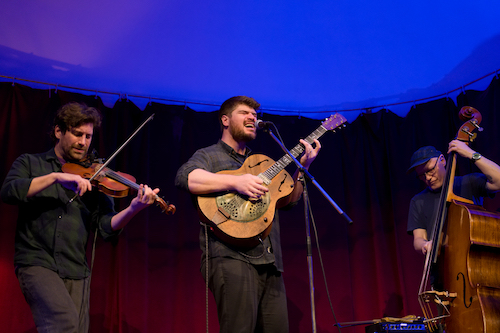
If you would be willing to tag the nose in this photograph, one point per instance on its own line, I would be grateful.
(428, 176)
(82, 141)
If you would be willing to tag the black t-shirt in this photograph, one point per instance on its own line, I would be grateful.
(423, 206)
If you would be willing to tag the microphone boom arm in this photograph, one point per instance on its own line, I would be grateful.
(310, 177)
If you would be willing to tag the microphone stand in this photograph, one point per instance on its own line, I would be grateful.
(303, 172)
(309, 249)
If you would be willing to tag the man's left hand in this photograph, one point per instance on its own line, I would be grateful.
(145, 197)
(310, 153)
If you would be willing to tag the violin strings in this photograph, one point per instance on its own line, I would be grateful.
(116, 176)
(121, 179)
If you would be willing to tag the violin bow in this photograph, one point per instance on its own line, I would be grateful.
(105, 164)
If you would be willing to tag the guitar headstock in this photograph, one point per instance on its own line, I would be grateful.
(334, 121)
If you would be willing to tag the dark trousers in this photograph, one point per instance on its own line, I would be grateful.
(249, 298)
(58, 305)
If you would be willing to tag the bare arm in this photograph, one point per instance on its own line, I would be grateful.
(420, 241)
(202, 182)
(489, 168)
(145, 197)
(492, 172)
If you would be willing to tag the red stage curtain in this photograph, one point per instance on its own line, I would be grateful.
(149, 280)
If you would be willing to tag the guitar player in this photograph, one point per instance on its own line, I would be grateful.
(247, 283)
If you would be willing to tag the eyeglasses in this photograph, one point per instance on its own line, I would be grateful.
(429, 172)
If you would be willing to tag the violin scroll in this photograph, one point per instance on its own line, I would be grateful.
(165, 206)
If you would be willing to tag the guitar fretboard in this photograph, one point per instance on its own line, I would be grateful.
(276, 168)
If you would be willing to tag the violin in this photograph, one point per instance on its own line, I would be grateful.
(112, 183)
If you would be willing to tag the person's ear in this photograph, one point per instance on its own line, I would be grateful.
(224, 120)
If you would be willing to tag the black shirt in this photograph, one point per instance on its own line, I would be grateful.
(51, 232)
(423, 206)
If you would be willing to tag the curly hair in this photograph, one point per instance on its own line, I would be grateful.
(74, 114)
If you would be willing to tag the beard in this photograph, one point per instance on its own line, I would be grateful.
(239, 134)
(74, 156)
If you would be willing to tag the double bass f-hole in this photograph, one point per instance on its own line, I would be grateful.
(464, 282)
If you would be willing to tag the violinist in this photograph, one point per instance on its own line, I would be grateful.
(52, 231)
(429, 165)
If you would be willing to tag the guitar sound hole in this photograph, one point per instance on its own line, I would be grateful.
(241, 209)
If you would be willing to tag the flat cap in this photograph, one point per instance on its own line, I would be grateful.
(423, 155)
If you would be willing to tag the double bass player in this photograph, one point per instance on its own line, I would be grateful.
(451, 232)
(429, 165)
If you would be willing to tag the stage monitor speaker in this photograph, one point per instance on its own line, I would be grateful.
(396, 327)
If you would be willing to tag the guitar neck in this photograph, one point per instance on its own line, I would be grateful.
(295, 151)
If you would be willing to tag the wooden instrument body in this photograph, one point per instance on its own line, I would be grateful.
(113, 183)
(242, 222)
(466, 256)
(469, 265)
(238, 220)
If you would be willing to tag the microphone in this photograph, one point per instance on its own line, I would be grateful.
(261, 124)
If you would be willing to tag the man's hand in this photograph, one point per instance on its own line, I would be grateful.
(250, 185)
(310, 153)
(74, 182)
(427, 247)
(145, 197)
(461, 148)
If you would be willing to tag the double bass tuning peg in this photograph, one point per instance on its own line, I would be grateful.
(476, 124)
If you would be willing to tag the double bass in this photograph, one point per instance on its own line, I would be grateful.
(465, 257)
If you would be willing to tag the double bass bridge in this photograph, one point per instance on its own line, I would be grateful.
(439, 297)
